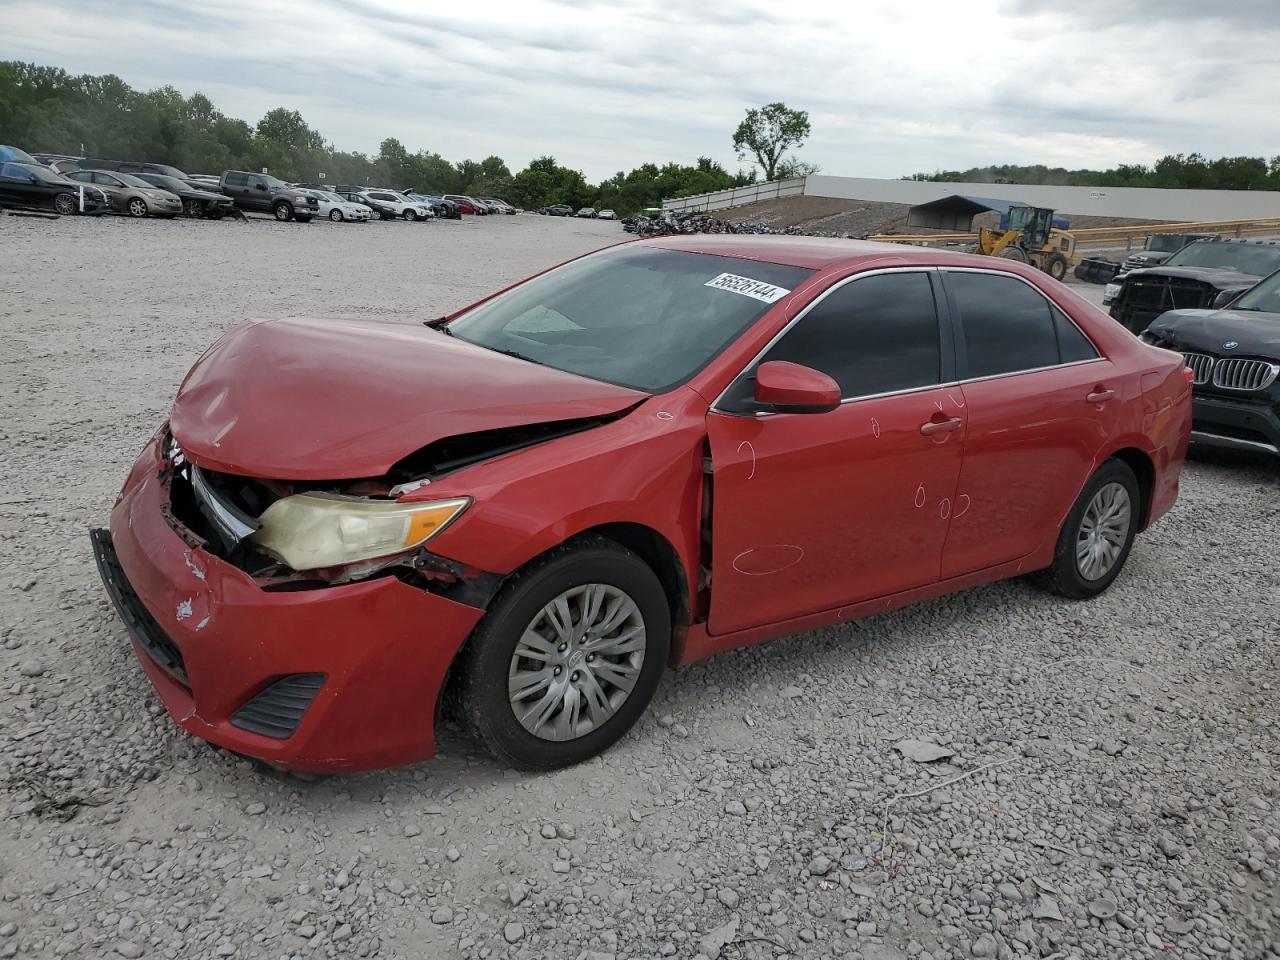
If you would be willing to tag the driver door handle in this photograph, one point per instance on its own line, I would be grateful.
(933, 427)
(1100, 395)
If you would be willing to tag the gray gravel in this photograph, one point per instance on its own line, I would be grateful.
(1105, 785)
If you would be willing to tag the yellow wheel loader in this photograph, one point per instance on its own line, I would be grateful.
(1032, 238)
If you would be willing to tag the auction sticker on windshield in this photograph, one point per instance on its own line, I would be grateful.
(756, 289)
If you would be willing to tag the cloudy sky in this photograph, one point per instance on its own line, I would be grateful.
(891, 87)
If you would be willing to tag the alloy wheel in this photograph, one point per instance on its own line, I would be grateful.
(577, 662)
(137, 207)
(66, 204)
(1104, 531)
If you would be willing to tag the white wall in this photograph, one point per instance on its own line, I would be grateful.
(1142, 203)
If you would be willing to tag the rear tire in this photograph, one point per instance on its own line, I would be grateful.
(283, 212)
(1101, 526)
(576, 710)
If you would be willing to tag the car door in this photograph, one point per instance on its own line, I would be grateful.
(812, 511)
(256, 195)
(1040, 401)
(15, 188)
(112, 186)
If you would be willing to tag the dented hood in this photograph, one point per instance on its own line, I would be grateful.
(343, 399)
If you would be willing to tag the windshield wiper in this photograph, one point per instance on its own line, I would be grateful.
(512, 353)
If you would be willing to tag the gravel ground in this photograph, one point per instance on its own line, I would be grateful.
(1105, 782)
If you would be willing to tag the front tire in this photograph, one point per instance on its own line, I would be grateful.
(192, 208)
(137, 207)
(410, 215)
(335, 215)
(1056, 266)
(283, 212)
(1098, 533)
(66, 204)
(568, 656)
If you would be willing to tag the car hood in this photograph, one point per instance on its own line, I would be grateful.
(1153, 257)
(1216, 276)
(1256, 334)
(302, 399)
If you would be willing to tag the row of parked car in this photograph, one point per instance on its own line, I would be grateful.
(564, 210)
(80, 185)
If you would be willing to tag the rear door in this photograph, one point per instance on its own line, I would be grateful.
(1040, 401)
(811, 511)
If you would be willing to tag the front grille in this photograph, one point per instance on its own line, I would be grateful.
(142, 625)
(277, 710)
(1167, 293)
(1235, 373)
(1201, 365)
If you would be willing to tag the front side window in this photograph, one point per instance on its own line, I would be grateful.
(1264, 298)
(641, 317)
(1006, 326)
(874, 335)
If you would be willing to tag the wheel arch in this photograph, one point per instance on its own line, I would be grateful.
(1144, 468)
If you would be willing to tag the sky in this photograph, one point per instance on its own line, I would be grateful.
(891, 88)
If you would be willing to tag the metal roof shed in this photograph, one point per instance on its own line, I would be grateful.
(956, 213)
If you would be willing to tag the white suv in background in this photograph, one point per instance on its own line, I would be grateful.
(403, 206)
(338, 209)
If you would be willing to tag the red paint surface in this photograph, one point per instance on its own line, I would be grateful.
(816, 517)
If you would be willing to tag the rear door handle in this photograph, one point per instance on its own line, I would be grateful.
(940, 426)
(1100, 396)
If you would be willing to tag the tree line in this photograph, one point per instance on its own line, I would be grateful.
(1191, 171)
(44, 109)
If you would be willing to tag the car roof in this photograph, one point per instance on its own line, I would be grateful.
(811, 252)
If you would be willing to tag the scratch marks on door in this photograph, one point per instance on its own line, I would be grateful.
(921, 498)
(763, 561)
(747, 444)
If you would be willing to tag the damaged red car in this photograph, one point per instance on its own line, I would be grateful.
(659, 451)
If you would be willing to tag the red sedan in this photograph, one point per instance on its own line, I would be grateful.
(637, 459)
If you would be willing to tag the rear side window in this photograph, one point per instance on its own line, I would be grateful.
(875, 335)
(237, 179)
(1007, 326)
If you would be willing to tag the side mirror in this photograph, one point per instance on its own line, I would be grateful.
(260, 186)
(794, 388)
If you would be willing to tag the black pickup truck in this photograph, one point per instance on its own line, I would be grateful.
(1207, 274)
(264, 194)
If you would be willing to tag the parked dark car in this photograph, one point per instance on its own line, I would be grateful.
(1158, 248)
(1203, 275)
(33, 186)
(15, 155)
(130, 195)
(558, 210)
(196, 202)
(265, 194)
(130, 166)
(1234, 355)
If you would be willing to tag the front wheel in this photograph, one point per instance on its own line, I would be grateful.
(66, 204)
(568, 656)
(192, 208)
(1098, 534)
(410, 215)
(283, 212)
(335, 215)
(137, 207)
(1056, 266)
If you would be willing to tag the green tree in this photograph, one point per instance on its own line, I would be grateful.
(767, 133)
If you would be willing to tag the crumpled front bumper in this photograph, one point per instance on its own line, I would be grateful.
(382, 646)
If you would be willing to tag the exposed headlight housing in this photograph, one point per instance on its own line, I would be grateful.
(311, 531)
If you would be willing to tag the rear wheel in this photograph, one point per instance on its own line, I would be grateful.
(137, 207)
(66, 204)
(1098, 534)
(283, 212)
(568, 656)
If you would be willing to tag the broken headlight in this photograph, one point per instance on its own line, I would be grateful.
(310, 531)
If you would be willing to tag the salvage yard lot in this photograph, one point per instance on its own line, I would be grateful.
(1122, 801)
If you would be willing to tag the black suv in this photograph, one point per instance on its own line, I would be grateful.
(257, 191)
(1234, 356)
(1204, 274)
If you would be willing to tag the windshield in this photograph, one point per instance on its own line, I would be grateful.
(1165, 243)
(275, 184)
(640, 317)
(331, 197)
(1264, 298)
(1256, 259)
